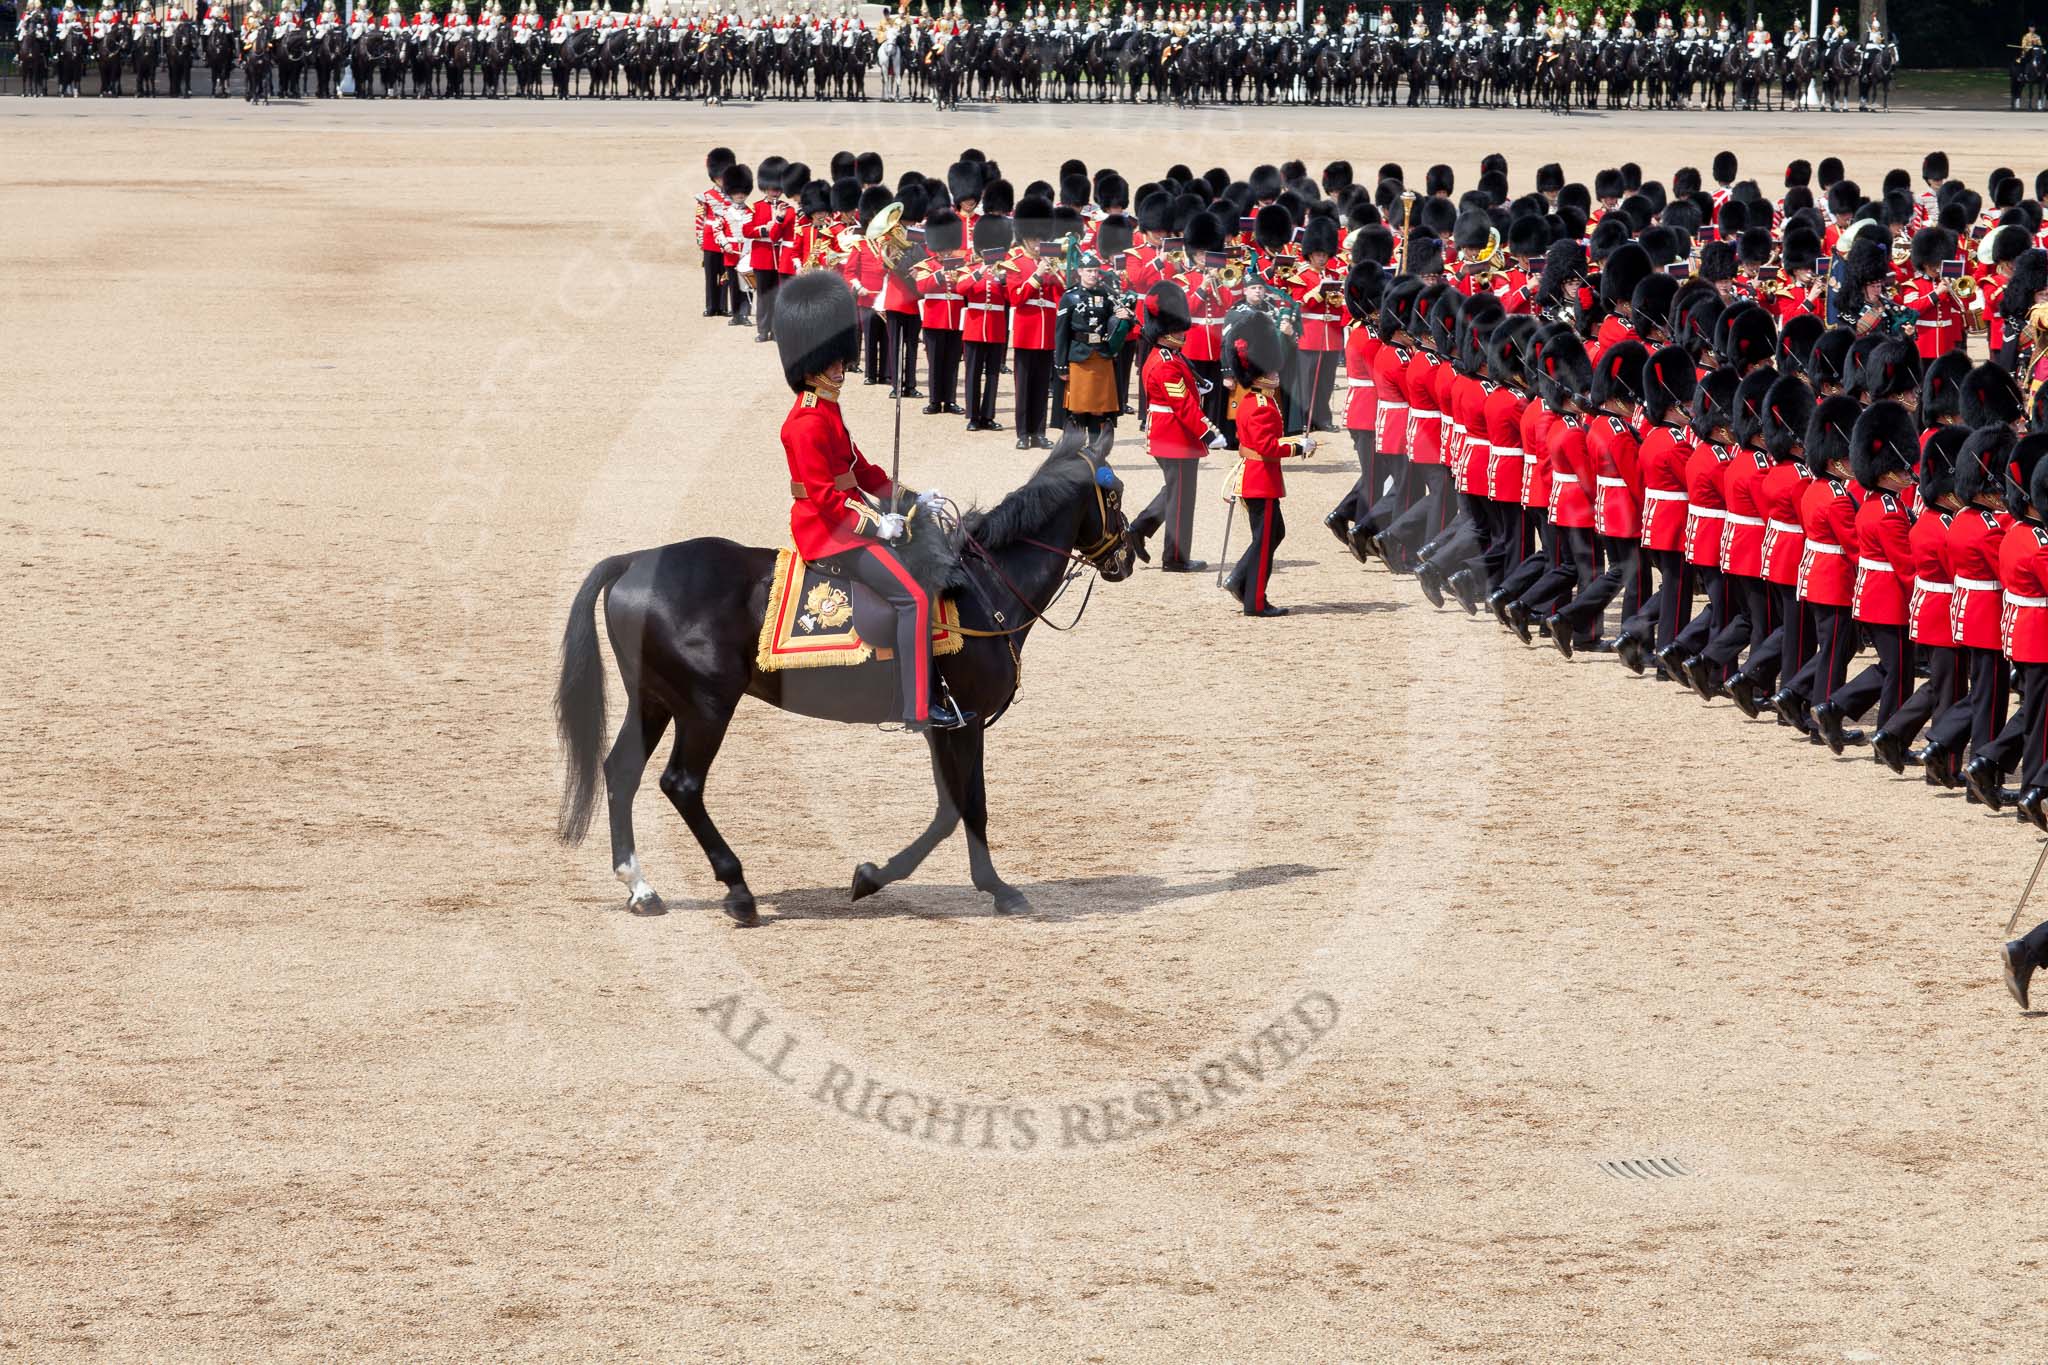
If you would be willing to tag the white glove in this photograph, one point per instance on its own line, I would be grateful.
(891, 527)
(1308, 446)
(930, 499)
(1217, 440)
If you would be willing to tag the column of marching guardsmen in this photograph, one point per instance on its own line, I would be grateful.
(1751, 420)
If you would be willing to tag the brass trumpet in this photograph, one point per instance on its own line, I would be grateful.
(1230, 274)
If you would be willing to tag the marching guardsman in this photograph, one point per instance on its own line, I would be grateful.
(1179, 433)
(846, 516)
(941, 308)
(1318, 292)
(1977, 603)
(1092, 325)
(1258, 354)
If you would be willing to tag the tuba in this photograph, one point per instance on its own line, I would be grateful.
(886, 235)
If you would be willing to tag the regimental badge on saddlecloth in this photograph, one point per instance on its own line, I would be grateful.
(826, 605)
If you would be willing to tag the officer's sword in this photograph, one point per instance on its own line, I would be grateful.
(1229, 523)
(2038, 864)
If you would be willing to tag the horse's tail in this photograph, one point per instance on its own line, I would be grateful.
(580, 702)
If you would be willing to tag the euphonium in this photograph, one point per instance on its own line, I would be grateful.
(886, 234)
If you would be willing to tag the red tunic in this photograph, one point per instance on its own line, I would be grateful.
(1260, 438)
(1322, 323)
(1615, 454)
(710, 205)
(1942, 319)
(988, 305)
(1743, 551)
(1782, 494)
(1974, 539)
(1614, 329)
(1571, 474)
(2023, 568)
(1425, 433)
(1034, 302)
(1933, 582)
(1206, 308)
(863, 270)
(1884, 560)
(827, 466)
(1506, 471)
(1177, 430)
(767, 227)
(1390, 384)
(1827, 564)
(1360, 348)
(1475, 448)
(1706, 494)
(938, 294)
(1537, 420)
(1663, 459)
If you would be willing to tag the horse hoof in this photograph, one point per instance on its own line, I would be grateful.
(740, 905)
(867, 880)
(649, 904)
(1011, 901)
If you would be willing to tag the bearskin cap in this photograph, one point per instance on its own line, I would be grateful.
(1725, 168)
(2029, 277)
(1265, 182)
(814, 200)
(1885, 440)
(1112, 192)
(1205, 232)
(873, 199)
(1938, 463)
(1549, 178)
(1868, 262)
(1075, 190)
(1319, 236)
(1717, 262)
(1748, 412)
(2028, 456)
(716, 160)
(1628, 265)
(1564, 265)
(1436, 317)
(1114, 235)
(1934, 166)
(1608, 234)
(1649, 306)
(944, 231)
(1752, 338)
(1669, 378)
(1168, 312)
(1685, 181)
(1990, 397)
(2009, 192)
(1273, 227)
(1472, 229)
(1155, 212)
(1828, 171)
(1665, 245)
(1897, 181)
(1607, 184)
(2020, 464)
(1732, 218)
(998, 196)
(1787, 415)
(1618, 375)
(1702, 321)
(737, 179)
(1713, 401)
(1795, 341)
(815, 324)
(991, 231)
(1425, 255)
(1476, 321)
(1941, 387)
(842, 165)
(1254, 346)
(1754, 246)
(1337, 177)
(768, 175)
(1980, 465)
(1527, 236)
(1891, 370)
(1373, 243)
(1365, 286)
(1564, 373)
(964, 180)
(1802, 249)
(1932, 246)
(1798, 171)
(845, 195)
(1504, 349)
(1844, 198)
(1493, 185)
(1829, 423)
(1437, 215)
(1397, 306)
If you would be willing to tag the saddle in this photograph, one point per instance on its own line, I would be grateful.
(818, 619)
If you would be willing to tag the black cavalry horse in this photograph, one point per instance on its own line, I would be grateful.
(33, 53)
(684, 622)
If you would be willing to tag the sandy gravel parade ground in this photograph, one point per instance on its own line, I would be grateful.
(317, 1043)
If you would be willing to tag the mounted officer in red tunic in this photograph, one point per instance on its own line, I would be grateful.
(844, 517)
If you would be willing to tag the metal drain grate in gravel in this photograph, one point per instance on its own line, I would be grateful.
(1644, 1168)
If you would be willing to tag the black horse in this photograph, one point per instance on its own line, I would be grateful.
(684, 621)
(293, 50)
(148, 53)
(32, 50)
(330, 52)
(111, 52)
(258, 63)
(220, 59)
(2030, 80)
(181, 53)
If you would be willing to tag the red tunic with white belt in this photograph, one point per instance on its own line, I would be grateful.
(1206, 307)
(1941, 318)
(1360, 349)
(1322, 322)
(1827, 565)
(1537, 420)
(1506, 472)
(1974, 539)
(1884, 560)
(1034, 296)
(1177, 430)
(1390, 385)
(1706, 497)
(825, 469)
(767, 228)
(1933, 580)
(2023, 568)
(1260, 437)
(939, 298)
(987, 299)
(1615, 454)
(1782, 493)
(1425, 436)
(1571, 474)
(1662, 458)
(1469, 397)
(1742, 553)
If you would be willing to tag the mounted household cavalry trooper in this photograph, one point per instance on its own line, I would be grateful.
(843, 518)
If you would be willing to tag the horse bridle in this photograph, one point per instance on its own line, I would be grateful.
(1113, 538)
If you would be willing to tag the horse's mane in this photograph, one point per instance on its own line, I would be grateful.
(1057, 482)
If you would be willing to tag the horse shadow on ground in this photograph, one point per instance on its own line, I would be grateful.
(1058, 900)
